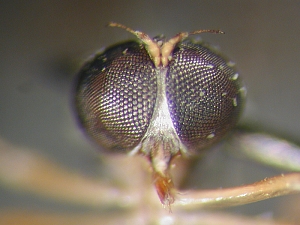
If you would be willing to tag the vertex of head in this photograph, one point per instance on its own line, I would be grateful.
(161, 54)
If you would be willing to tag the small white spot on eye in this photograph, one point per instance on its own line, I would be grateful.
(221, 67)
(125, 51)
(210, 66)
(103, 69)
(231, 64)
(224, 93)
(234, 101)
(210, 136)
(234, 76)
(243, 91)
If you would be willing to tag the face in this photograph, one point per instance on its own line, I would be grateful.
(158, 99)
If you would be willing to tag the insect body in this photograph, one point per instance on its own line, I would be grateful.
(158, 99)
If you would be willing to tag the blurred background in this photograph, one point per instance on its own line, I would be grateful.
(43, 44)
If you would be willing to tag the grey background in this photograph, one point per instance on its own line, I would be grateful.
(43, 43)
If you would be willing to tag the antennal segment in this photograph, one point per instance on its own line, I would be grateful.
(151, 46)
(161, 55)
(168, 47)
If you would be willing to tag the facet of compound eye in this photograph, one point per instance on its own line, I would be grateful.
(129, 99)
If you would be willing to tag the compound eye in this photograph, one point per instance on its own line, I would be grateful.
(115, 96)
(204, 95)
